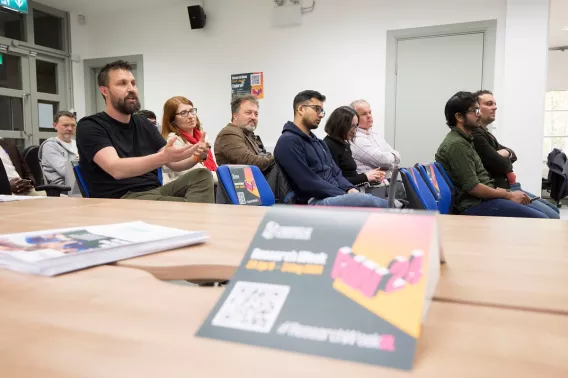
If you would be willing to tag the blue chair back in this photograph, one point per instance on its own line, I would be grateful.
(446, 177)
(160, 176)
(438, 186)
(227, 194)
(80, 181)
(417, 191)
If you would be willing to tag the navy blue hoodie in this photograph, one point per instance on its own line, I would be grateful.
(309, 165)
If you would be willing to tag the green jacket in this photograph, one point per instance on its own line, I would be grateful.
(462, 163)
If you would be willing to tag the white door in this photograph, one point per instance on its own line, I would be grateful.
(429, 71)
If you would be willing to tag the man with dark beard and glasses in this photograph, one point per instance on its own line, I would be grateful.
(307, 161)
(476, 193)
(121, 152)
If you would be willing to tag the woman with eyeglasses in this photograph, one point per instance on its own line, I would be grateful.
(180, 121)
(341, 127)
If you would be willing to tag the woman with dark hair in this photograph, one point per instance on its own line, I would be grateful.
(180, 121)
(341, 127)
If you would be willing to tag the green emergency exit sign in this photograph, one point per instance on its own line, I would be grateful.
(1, 59)
(17, 5)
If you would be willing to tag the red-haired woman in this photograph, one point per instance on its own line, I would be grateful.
(180, 120)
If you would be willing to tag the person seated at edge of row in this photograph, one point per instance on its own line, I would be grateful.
(340, 128)
(56, 152)
(476, 193)
(180, 122)
(121, 151)
(497, 159)
(370, 149)
(313, 174)
(21, 179)
(237, 143)
(151, 116)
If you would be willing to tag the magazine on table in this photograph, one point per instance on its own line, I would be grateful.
(56, 251)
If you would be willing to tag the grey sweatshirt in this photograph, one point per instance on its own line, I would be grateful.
(54, 156)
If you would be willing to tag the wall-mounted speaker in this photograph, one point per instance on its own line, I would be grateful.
(197, 16)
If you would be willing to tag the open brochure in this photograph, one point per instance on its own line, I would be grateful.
(52, 252)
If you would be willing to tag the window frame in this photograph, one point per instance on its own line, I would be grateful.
(552, 111)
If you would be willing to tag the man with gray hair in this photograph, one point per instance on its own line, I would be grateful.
(370, 150)
(237, 143)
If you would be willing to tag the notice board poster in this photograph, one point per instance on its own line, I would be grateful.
(248, 83)
(340, 283)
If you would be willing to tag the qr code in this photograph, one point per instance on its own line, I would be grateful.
(255, 79)
(252, 306)
(242, 199)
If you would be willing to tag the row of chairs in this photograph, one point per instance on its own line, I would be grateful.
(428, 187)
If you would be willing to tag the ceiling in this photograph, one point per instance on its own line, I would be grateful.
(558, 12)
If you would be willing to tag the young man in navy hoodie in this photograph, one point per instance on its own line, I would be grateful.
(314, 176)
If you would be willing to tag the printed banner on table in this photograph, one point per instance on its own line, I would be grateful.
(340, 283)
(245, 185)
(248, 83)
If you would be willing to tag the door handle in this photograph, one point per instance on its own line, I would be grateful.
(24, 132)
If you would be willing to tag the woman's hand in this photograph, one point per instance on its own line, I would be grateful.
(376, 175)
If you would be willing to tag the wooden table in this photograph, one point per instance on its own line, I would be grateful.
(511, 262)
(517, 263)
(44, 205)
(119, 322)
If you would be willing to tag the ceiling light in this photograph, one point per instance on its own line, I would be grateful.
(565, 28)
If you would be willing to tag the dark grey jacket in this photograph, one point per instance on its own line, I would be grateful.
(557, 174)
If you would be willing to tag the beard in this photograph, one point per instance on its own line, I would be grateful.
(123, 106)
(468, 125)
(250, 128)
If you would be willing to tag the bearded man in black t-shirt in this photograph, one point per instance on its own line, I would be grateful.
(121, 153)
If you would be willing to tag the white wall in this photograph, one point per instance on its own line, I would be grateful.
(558, 71)
(521, 113)
(339, 50)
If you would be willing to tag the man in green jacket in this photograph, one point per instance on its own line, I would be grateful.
(476, 193)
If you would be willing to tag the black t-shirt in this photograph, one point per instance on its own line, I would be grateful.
(134, 139)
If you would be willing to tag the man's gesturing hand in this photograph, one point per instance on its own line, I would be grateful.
(173, 154)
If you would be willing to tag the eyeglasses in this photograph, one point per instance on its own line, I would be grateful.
(186, 113)
(476, 111)
(318, 109)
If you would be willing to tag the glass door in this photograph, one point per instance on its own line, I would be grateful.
(15, 96)
(35, 72)
(48, 94)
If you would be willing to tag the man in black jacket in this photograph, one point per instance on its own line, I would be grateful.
(497, 159)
